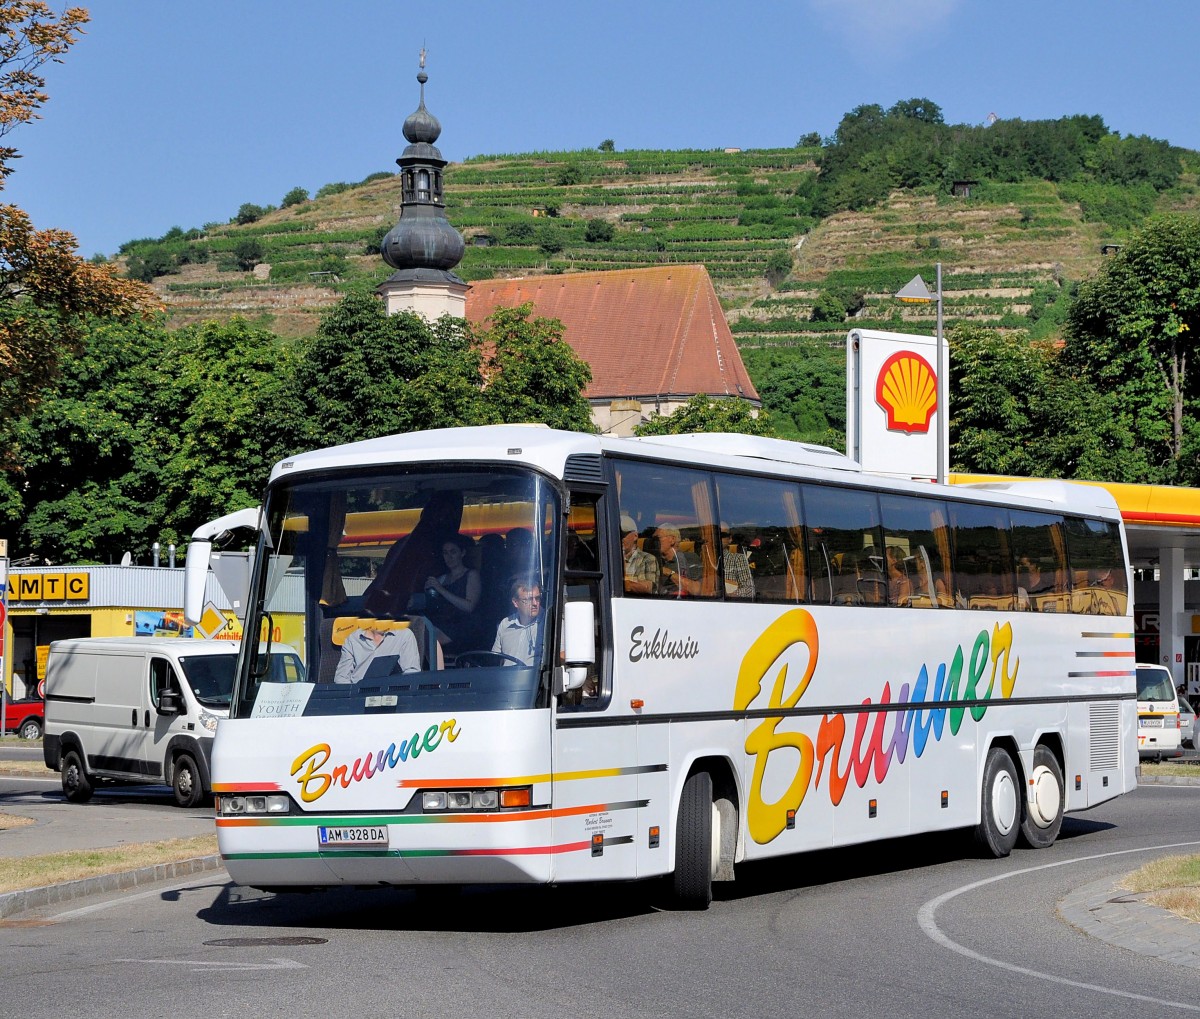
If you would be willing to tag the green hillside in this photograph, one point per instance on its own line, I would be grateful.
(1007, 250)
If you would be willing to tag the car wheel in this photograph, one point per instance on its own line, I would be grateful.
(77, 787)
(31, 728)
(185, 782)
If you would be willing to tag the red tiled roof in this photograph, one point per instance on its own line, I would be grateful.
(645, 332)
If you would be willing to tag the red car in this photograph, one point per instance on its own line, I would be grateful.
(27, 718)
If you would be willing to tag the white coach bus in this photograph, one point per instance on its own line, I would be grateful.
(539, 656)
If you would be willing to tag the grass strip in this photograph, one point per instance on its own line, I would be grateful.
(21, 873)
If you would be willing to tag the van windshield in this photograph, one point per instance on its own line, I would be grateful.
(211, 676)
(1154, 685)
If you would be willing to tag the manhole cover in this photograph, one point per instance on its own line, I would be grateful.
(265, 942)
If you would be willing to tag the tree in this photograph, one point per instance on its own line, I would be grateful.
(607, 145)
(297, 196)
(531, 373)
(811, 140)
(1133, 329)
(1018, 408)
(598, 231)
(702, 414)
(249, 213)
(248, 252)
(46, 290)
(779, 265)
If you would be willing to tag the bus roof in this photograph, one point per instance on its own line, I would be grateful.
(548, 450)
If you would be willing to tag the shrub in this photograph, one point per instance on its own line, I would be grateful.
(332, 189)
(598, 231)
(828, 308)
(248, 253)
(297, 196)
(779, 264)
(249, 213)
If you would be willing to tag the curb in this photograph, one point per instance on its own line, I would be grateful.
(13, 903)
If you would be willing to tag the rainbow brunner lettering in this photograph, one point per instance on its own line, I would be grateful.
(314, 783)
(866, 755)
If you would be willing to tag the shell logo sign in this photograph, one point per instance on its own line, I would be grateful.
(906, 388)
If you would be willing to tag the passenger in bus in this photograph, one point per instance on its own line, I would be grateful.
(452, 597)
(680, 571)
(641, 568)
(520, 635)
(365, 646)
(410, 560)
(900, 590)
(1035, 589)
(739, 581)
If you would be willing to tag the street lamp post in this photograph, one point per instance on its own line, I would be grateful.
(916, 292)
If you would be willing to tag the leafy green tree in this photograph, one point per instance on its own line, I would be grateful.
(828, 307)
(550, 239)
(598, 231)
(1019, 409)
(1133, 330)
(248, 213)
(702, 414)
(779, 265)
(146, 434)
(248, 252)
(46, 290)
(366, 373)
(607, 145)
(297, 196)
(531, 373)
(811, 140)
(803, 392)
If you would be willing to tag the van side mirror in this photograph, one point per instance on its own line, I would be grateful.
(169, 701)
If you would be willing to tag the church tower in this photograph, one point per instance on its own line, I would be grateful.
(423, 247)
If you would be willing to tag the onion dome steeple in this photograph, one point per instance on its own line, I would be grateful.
(422, 246)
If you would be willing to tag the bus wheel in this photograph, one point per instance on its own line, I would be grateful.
(75, 784)
(1000, 818)
(185, 782)
(695, 839)
(1044, 808)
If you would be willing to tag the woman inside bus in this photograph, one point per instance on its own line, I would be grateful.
(451, 598)
(899, 586)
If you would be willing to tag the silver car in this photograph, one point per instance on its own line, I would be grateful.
(1187, 723)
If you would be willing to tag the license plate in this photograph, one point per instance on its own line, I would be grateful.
(1152, 723)
(351, 836)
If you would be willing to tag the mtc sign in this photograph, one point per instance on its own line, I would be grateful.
(48, 587)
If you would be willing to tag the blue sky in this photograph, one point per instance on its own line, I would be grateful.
(174, 114)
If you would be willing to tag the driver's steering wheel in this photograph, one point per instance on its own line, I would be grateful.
(482, 659)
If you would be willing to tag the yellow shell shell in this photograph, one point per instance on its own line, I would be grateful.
(907, 389)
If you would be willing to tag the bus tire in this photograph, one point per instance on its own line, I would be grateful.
(76, 785)
(1000, 809)
(185, 782)
(1043, 813)
(693, 878)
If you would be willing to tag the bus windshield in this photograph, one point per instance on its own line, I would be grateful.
(412, 588)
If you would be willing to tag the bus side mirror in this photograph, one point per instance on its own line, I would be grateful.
(579, 643)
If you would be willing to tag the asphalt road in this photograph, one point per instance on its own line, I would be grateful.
(905, 928)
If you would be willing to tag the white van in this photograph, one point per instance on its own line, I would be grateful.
(141, 709)
(1158, 714)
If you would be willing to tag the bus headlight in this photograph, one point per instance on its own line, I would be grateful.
(253, 803)
(477, 799)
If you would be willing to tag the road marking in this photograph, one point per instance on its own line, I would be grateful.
(200, 966)
(926, 918)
